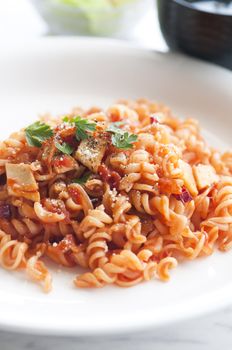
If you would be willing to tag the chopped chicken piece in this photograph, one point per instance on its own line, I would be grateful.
(188, 178)
(205, 175)
(90, 152)
(21, 182)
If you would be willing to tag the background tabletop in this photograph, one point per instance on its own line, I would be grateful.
(20, 22)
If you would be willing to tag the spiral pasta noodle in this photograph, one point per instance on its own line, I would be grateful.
(125, 193)
(12, 252)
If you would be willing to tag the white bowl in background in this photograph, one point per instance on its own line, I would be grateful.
(65, 19)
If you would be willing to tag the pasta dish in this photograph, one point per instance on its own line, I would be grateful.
(124, 193)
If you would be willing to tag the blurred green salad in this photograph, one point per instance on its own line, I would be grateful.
(90, 17)
(94, 4)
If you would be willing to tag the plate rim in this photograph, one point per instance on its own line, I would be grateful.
(87, 41)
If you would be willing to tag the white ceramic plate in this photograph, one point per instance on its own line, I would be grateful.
(57, 74)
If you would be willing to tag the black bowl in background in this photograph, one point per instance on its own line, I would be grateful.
(201, 34)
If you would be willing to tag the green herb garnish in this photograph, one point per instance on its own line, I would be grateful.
(37, 133)
(82, 180)
(114, 127)
(82, 126)
(120, 138)
(66, 119)
(64, 148)
(124, 140)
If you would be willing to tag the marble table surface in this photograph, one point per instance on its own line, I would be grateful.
(18, 21)
(210, 332)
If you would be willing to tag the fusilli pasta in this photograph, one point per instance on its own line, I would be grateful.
(125, 193)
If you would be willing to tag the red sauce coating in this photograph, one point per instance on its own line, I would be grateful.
(56, 206)
(63, 161)
(153, 119)
(109, 176)
(75, 194)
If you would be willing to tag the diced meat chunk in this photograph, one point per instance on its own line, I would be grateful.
(188, 178)
(90, 152)
(21, 182)
(205, 176)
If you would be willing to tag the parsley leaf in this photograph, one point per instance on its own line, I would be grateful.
(114, 127)
(64, 147)
(120, 138)
(66, 119)
(82, 180)
(82, 126)
(37, 133)
(124, 140)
